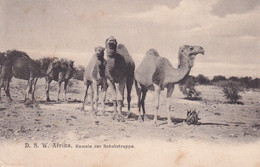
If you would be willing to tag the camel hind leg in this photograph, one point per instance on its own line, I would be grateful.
(169, 98)
(85, 97)
(144, 92)
(5, 78)
(141, 95)
(29, 89)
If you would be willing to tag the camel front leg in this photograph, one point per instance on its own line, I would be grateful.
(120, 87)
(96, 93)
(144, 92)
(65, 89)
(113, 93)
(85, 97)
(59, 84)
(129, 85)
(91, 98)
(157, 91)
(168, 105)
(47, 88)
(103, 97)
(34, 87)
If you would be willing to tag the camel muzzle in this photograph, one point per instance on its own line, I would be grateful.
(201, 51)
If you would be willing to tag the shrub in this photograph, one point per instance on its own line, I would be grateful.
(187, 87)
(231, 91)
(218, 78)
(201, 79)
(245, 81)
(233, 78)
(255, 83)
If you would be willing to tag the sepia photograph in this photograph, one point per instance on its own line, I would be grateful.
(129, 83)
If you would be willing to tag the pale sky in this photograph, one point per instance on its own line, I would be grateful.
(229, 30)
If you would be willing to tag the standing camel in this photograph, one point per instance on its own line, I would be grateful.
(94, 76)
(156, 73)
(60, 71)
(119, 72)
(21, 66)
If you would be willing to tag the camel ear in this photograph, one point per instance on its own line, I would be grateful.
(181, 48)
(106, 41)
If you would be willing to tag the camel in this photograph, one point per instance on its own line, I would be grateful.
(21, 66)
(94, 76)
(156, 73)
(119, 72)
(60, 71)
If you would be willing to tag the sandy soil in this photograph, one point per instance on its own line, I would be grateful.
(63, 122)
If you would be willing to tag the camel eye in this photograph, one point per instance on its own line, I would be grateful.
(191, 48)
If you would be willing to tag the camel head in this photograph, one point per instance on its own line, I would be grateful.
(2, 58)
(187, 54)
(99, 52)
(71, 68)
(53, 64)
(71, 64)
(111, 45)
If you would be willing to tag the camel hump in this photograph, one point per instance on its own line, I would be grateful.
(152, 52)
(13, 54)
(122, 50)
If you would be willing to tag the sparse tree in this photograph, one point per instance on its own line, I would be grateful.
(231, 91)
(187, 87)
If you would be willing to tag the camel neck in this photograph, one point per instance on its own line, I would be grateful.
(183, 70)
(111, 53)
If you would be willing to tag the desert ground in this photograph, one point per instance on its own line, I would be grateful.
(64, 121)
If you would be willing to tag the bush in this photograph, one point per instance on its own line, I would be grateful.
(218, 78)
(233, 78)
(231, 91)
(187, 87)
(202, 80)
(255, 83)
(245, 81)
